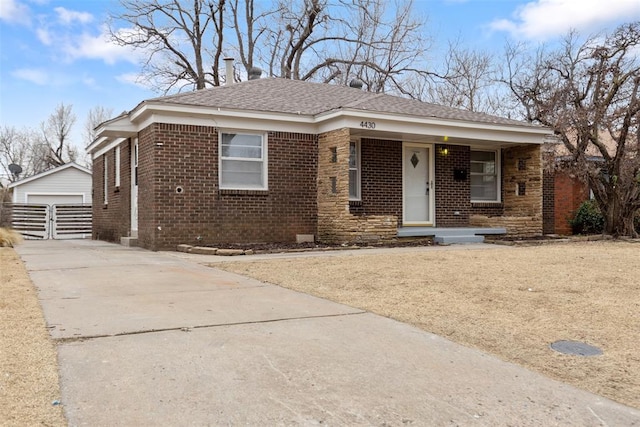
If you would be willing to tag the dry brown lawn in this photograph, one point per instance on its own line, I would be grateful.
(28, 365)
(511, 302)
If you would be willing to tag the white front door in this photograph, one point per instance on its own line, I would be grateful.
(134, 188)
(417, 185)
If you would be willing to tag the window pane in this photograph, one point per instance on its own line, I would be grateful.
(484, 179)
(242, 145)
(353, 156)
(483, 156)
(353, 184)
(483, 187)
(241, 174)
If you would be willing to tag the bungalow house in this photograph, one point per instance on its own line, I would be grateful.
(275, 160)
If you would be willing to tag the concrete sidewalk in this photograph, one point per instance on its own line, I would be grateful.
(150, 338)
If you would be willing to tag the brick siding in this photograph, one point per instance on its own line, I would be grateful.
(548, 202)
(308, 184)
(569, 193)
(112, 221)
(381, 178)
(180, 200)
(452, 196)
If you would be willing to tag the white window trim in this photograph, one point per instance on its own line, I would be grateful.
(265, 160)
(498, 175)
(359, 170)
(117, 166)
(105, 179)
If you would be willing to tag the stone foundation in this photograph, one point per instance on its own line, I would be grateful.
(517, 226)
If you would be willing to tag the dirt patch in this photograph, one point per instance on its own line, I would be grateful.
(512, 302)
(29, 388)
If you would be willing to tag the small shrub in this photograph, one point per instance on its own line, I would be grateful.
(588, 219)
(9, 237)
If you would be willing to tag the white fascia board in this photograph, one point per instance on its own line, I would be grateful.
(227, 119)
(453, 129)
(114, 143)
(96, 143)
(49, 172)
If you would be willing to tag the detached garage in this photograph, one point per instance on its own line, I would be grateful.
(53, 204)
(66, 184)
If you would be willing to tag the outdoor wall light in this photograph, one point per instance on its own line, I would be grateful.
(444, 151)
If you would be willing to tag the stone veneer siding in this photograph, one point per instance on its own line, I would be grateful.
(113, 220)
(186, 156)
(522, 213)
(336, 223)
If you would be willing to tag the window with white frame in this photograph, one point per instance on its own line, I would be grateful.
(117, 166)
(243, 161)
(105, 179)
(354, 170)
(485, 176)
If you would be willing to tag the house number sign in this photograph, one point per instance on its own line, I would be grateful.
(368, 125)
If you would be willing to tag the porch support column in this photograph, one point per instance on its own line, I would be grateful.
(336, 224)
(333, 185)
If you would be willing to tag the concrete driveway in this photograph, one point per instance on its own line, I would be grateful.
(150, 338)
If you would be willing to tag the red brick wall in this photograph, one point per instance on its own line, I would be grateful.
(172, 156)
(568, 196)
(112, 221)
(452, 196)
(381, 178)
(548, 202)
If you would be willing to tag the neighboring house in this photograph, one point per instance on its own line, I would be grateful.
(69, 183)
(273, 160)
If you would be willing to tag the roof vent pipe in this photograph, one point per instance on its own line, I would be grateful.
(228, 64)
(254, 73)
(356, 84)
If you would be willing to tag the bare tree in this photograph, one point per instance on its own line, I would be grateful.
(56, 131)
(588, 93)
(22, 147)
(380, 43)
(95, 117)
(182, 41)
(468, 79)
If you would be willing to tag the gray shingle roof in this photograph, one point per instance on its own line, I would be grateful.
(274, 95)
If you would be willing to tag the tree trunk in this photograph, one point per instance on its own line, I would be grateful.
(619, 219)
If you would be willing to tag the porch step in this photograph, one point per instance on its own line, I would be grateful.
(446, 240)
(451, 235)
(129, 241)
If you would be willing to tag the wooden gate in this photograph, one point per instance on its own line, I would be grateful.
(71, 221)
(37, 221)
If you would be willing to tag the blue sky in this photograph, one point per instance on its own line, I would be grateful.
(56, 51)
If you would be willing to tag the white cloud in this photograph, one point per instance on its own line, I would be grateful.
(33, 75)
(87, 46)
(14, 12)
(543, 19)
(130, 78)
(68, 17)
(44, 36)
